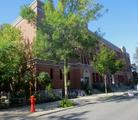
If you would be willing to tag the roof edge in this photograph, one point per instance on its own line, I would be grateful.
(19, 18)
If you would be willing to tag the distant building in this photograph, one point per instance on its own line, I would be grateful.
(80, 70)
(134, 68)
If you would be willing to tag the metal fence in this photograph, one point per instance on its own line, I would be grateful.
(15, 99)
(4, 99)
(20, 99)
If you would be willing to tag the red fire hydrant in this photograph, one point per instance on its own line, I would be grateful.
(32, 100)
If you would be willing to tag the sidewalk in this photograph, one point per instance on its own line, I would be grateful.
(51, 107)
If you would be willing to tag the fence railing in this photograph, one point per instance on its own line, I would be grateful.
(42, 96)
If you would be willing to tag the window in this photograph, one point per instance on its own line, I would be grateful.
(93, 75)
(51, 73)
(61, 76)
(97, 77)
(68, 75)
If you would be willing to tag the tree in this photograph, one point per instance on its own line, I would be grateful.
(27, 13)
(44, 79)
(106, 62)
(115, 66)
(10, 54)
(135, 67)
(63, 34)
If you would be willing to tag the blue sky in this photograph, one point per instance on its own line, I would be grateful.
(120, 23)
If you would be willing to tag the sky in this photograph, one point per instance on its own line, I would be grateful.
(119, 25)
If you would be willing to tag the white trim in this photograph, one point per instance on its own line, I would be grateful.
(19, 18)
(17, 21)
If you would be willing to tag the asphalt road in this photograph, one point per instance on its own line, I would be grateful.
(125, 108)
(118, 108)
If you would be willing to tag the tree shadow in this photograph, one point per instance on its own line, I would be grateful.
(71, 116)
(8, 116)
(118, 99)
(115, 99)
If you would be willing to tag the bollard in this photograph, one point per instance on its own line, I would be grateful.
(32, 101)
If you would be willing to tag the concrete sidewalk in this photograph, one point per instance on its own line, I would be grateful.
(51, 107)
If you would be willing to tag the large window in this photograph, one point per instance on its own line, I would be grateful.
(61, 75)
(68, 75)
(51, 73)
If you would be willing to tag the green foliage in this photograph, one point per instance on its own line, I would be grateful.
(106, 61)
(10, 54)
(85, 87)
(66, 103)
(45, 81)
(135, 80)
(44, 77)
(115, 66)
(52, 96)
(27, 76)
(28, 14)
(9, 62)
(8, 34)
(63, 33)
(89, 91)
(63, 30)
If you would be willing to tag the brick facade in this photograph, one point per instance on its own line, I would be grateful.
(78, 71)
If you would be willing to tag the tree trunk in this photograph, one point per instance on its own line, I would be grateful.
(113, 79)
(65, 78)
(11, 87)
(35, 85)
(105, 84)
(34, 77)
(113, 83)
(30, 89)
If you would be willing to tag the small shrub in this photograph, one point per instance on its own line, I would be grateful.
(89, 91)
(66, 103)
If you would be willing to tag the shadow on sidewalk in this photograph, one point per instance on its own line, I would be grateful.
(114, 98)
(71, 116)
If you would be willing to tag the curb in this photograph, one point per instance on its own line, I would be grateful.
(49, 108)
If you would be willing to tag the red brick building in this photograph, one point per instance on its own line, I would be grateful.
(78, 70)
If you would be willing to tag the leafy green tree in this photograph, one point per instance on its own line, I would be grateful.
(114, 67)
(28, 14)
(10, 41)
(63, 34)
(44, 79)
(135, 66)
(27, 77)
(106, 62)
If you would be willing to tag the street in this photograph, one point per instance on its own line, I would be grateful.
(120, 109)
(115, 108)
